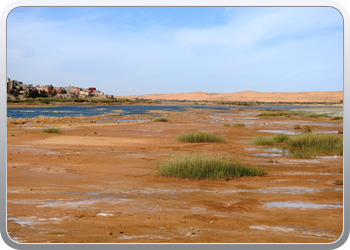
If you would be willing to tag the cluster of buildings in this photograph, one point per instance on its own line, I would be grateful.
(18, 89)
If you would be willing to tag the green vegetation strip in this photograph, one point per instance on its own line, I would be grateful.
(52, 130)
(278, 113)
(234, 124)
(337, 118)
(269, 140)
(160, 119)
(199, 137)
(317, 141)
(201, 166)
(315, 115)
(305, 145)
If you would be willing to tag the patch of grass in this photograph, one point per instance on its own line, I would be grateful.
(52, 130)
(317, 141)
(160, 119)
(269, 140)
(240, 109)
(201, 137)
(315, 115)
(337, 118)
(304, 145)
(302, 154)
(201, 166)
(262, 140)
(238, 124)
(288, 114)
(280, 138)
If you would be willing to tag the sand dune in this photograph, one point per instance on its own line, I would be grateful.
(247, 96)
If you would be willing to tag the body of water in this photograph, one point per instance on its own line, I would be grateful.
(87, 110)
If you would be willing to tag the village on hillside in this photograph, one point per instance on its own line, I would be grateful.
(17, 89)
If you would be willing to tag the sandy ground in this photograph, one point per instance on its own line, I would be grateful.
(98, 182)
(251, 96)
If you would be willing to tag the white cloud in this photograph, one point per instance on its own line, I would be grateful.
(255, 48)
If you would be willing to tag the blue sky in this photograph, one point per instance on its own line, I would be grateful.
(145, 50)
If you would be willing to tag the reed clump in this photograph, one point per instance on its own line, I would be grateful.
(337, 118)
(269, 140)
(199, 137)
(287, 114)
(238, 124)
(302, 154)
(161, 119)
(305, 145)
(316, 115)
(52, 130)
(317, 141)
(202, 166)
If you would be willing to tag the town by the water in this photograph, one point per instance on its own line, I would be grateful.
(18, 90)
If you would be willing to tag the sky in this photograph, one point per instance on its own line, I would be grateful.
(147, 50)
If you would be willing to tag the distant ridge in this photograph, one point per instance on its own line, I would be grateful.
(249, 96)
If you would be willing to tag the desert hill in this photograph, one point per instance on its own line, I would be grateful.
(248, 96)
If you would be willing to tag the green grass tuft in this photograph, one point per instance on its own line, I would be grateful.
(269, 140)
(160, 119)
(52, 130)
(288, 114)
(305, 145)
(337, 118)
(200, 137)
(201, 166)
(262, 140)
(315, 115)
(238, 124)
(302, 154)
(317, 141)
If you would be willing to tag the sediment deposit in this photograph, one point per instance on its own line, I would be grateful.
(98, 182)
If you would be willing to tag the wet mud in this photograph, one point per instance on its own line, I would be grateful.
(98, 182)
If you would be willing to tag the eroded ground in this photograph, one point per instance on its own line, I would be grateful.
(98, 182)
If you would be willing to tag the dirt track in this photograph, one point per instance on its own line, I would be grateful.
(98, 182)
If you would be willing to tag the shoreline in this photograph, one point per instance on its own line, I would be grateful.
(189, 103)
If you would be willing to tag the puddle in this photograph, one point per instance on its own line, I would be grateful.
(103, 214)
(246, 114)
(141, 130)
(308, 229)
(276, 152)
(267, 155)
(102, 121)
(302, 205)
(27, 148)
(282, 132)
(312, 123)
(33, 220)
(22, 222)
(81, 202)
(328, 132)
(296, 230)
(309, 173)
(130, 237)
(277, 190)
(73, 203)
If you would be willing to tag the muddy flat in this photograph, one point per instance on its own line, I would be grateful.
(98, 183)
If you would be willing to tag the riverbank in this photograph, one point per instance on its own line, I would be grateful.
(159, 103)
